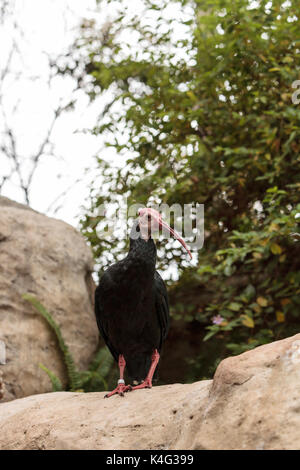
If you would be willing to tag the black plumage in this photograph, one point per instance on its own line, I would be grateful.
(132, 309)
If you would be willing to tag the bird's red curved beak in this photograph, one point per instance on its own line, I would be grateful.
(161, 224)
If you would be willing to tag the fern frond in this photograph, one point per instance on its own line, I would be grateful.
(99, 369)
(73, 375)
(56, 383)
(102, 362)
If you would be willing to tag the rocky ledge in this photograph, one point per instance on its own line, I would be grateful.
(253, 402)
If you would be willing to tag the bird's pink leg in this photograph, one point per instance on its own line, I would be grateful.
(121, 387)
(147, 383)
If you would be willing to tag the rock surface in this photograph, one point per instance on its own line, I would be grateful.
(49, 259)
(253, 402)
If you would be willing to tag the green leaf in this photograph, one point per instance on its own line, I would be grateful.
(276, 249)
(234, 306)
(262, 301)
(56, 383)
(73, 375)
(247, 321)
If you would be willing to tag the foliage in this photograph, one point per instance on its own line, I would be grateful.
(55, 381)
(206, 115)
(92, 379)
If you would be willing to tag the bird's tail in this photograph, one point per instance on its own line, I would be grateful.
(138, 368)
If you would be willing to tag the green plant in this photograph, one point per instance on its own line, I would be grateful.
(205, 116)
(92, 379)
(56, 383)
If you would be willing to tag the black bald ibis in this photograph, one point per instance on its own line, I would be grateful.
(131, 305)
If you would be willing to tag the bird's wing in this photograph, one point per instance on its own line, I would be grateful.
(162, 306)
(102, 326)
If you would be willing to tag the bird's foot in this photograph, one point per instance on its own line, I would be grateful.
(120, 390)
(147, 383)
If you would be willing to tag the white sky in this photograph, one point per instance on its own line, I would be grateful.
(49, 26)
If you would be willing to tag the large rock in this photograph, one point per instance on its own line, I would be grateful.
(49, 259)
(253, 402)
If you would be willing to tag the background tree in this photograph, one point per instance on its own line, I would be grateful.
(201, 111)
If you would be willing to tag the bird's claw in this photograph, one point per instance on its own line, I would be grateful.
(145, 384)
(120, 390)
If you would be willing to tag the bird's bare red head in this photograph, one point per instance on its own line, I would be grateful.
(151, 221)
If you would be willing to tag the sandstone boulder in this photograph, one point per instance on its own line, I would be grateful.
(50, 260)
(253, 402)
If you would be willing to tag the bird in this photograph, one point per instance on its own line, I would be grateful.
(132, 307)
